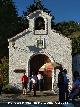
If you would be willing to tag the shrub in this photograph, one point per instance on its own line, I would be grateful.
(4, 66)
(9, 89)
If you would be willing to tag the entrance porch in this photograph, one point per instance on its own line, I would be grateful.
(36, 62)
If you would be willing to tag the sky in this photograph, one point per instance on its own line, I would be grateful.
(62, 10)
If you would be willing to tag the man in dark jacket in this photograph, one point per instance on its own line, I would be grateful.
(61, 86)
(66, 80)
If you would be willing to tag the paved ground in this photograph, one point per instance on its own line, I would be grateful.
(43, 99)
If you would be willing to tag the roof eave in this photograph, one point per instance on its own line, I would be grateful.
(13, 38)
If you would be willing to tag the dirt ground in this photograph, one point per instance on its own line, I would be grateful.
(45, 98)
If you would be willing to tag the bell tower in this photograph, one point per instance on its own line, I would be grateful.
(39, 22)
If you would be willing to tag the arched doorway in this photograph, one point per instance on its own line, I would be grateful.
(36, 62)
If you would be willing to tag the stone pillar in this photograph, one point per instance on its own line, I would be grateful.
(52, 79)
(31, 24)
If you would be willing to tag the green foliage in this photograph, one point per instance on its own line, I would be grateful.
(7, 23)
(76, 45)
(8, 89)
(4, 66)
(10, 24)
(70, 29)
(67, 28)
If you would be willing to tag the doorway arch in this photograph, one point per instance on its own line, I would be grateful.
(35, 63)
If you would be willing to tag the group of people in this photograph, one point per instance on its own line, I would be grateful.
(35, 82)
(63, 81)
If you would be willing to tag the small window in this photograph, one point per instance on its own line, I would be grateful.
(39, 23)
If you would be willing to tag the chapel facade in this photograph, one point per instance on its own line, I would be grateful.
(36, 46)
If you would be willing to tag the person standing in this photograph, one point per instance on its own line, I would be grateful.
(24, 83)
(30, 83)
(34, 82)
(66, 84)
(40, 81)
(61, 85)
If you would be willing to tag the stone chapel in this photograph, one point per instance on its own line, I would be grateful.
(36, 46)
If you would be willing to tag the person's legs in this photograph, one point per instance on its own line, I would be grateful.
(34, 89)
(61, 94)
(24, 92)
(41, 85)
(24, 88)
(37, 84)
(30, 86)
(67, 95)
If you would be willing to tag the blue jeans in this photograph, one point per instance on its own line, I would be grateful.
(40, 84)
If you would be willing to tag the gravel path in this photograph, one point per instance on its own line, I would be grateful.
(45, 99)
(40, 97)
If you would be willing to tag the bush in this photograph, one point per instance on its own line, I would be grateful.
(8, 89)
(4, 66)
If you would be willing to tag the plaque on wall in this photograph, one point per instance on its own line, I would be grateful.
(19, 70)
(41, 43)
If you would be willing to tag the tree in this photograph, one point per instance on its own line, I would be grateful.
(76, 45)
(67, 28)
(70, 29)
(10, 24)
